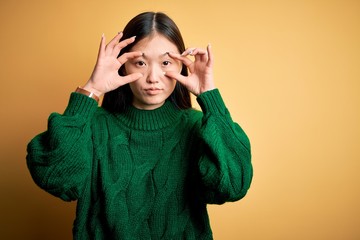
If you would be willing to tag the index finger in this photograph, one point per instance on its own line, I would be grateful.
(129, 55)
(182, 58)
(122, 44)
(110, 46)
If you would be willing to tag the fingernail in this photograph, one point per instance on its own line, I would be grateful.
(102, 35)
(120, 32)
(164, 73)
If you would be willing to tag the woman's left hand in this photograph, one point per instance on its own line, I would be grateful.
(200, 77)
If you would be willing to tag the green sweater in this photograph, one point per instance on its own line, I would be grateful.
(142, 174)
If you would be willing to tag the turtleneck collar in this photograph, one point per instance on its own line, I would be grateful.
(149, 119)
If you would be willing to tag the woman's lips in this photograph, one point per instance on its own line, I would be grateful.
(153, 91)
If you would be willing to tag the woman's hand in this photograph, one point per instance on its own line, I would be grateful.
(200, 77)
(105, 77)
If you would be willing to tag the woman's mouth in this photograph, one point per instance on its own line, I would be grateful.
(153, 90)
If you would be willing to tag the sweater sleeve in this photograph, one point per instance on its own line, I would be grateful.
(59, 159)
(225, 168)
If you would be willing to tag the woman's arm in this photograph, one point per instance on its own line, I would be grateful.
(59, 159)
(224, 165)
(225, 169)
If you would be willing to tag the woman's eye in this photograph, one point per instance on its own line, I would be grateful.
(140, 64)
(166, 63)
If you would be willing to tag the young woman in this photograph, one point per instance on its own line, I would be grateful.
(145, 164)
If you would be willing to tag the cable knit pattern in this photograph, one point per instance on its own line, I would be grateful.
(142, 174)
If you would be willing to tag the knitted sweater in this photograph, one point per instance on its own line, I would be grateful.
(142, 174)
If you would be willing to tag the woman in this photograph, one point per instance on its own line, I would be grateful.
(145, 164)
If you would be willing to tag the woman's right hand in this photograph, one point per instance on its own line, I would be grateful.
(105, 77)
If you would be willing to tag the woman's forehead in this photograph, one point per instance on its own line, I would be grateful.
(155, 45)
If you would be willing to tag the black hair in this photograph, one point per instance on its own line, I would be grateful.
(142, 26)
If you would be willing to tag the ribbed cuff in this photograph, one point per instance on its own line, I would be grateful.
(79, 104)
(211, 102)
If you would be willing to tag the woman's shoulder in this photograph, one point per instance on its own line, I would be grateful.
(101, 112)
(101, 115)
(193, 114)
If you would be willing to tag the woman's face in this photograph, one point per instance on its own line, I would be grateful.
(151, 91)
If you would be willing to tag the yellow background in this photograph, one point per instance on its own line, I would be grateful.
(289, 72)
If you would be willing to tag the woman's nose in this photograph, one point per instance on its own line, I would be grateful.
(153, 75)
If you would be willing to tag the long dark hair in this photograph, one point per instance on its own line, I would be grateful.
(142, 26)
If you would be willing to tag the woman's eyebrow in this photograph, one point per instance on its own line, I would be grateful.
(165, 54)
(161, 55)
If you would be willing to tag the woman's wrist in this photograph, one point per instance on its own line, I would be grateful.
(208, 88)
(89, 87)
(88, 93)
